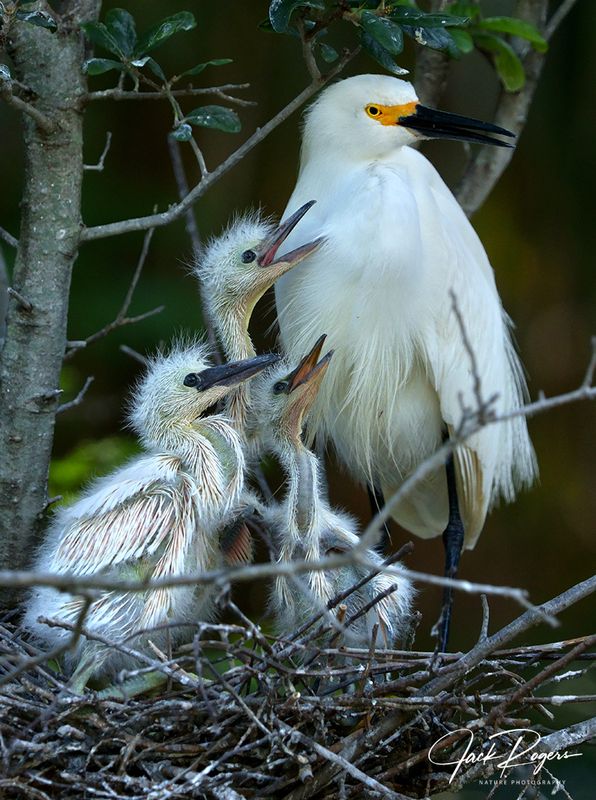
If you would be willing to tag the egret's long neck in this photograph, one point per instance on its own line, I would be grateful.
(232, 328)
(211, 451)
(303, 502)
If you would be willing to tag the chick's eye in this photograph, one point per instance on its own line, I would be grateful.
(192, 379)
(280, 387)
(373, 111)
(248, 256)
(335, 551)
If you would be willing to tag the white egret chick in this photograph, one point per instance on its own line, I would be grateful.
(157, 516)
(235, 271)
(306, 527)
(396, 244)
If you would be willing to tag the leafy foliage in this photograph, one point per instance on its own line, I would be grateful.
(223, 119)
(40, 18)
(118, 35)
(382, 25)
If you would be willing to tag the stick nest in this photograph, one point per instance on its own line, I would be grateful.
(244, 714)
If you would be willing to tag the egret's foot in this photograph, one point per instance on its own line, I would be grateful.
(86, 669)
(140, 684)
(133, 686)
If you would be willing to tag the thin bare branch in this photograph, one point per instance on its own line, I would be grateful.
(133, 354)
(22, 302)
(558, 17)
(43, 122)
(469, 425)
(344, 764)
(8, 238)
(121, 318)
(99, 167)
(194, 236)
(553, 607)
(222, 91)
(178, 209)
(78, 399)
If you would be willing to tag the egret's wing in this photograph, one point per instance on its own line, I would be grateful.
(124, 517)
(486, 465)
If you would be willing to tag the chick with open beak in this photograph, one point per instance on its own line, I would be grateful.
(234, 273)
(305, 527)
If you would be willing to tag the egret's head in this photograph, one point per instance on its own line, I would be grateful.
(181, 387)
(283, 396)
(239, 266)
(369, 116)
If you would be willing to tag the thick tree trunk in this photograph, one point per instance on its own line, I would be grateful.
(30, 362)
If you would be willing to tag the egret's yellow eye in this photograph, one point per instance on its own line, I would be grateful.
(373, 111)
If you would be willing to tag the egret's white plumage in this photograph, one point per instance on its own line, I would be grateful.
(396, 244)
(306, 527)
(157, 516)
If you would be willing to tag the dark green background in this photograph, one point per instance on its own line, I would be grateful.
(538, 227)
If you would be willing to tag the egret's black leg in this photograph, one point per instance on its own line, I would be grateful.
(377, 501)
(453, 541)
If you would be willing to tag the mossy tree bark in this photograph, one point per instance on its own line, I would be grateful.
(50, 64)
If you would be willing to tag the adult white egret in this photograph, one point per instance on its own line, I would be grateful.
(396, 244)
(306, 527)
(235, 271)
(157, 516)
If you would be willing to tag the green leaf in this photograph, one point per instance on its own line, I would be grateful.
(215, 62)
(39, 18)
(515, 27)
(380, 55)
(224, 119)
(97, 66)
(328, 53)
(509, 68)
(463, 41)
(435, 38)
(412, 16)
(183, 133)
(98, 34)
(121, 25)
(385, 32)
(265, 25)
(156, 69)
(280, 11)
(464, 9)
(177, 23)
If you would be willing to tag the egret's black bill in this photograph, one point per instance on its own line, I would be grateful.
(278, 237)
(435, 124)
(230, 374)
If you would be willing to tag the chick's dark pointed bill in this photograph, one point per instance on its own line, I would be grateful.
(230, 374)
(269, 248)
(434, 124)
(309, 366)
